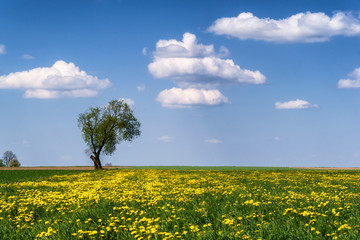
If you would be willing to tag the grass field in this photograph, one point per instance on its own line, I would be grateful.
(156, 203)
(209, 168)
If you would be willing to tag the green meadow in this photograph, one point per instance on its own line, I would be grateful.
(180, 203)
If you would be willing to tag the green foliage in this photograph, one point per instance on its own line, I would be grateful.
(105, 127)
(2, 163)
(14, 163)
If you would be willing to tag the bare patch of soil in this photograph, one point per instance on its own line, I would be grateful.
(57, 168)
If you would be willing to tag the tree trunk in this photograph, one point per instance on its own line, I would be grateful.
(96, 160)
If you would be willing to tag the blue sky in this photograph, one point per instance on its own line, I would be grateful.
(239, 83)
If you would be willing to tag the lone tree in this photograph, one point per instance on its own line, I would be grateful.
(104, 127)
(8, 155)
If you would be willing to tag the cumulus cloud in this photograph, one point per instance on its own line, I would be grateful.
(58, 81)
(166, 139)
(2, 49)
(352, 82)
(207, 72)
(302, 27)
(188, 47)
(48, 94)
(190, 65)
(198, 70)
(213, 141)
(187, 98)
(144, 51)
(297, 104)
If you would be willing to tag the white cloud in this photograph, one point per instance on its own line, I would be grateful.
(198, 69)
(144, 51)
(213, 141)
(166, 139)
(61, 80)
(2, 49)
(128, 101)
(297, 104)
(188, 47)
(301, 27)
(276, 138)
(186, 98)
(190, 64)
(354, 82)
(48, 94)
(27, 57)
(141, 87)
(207, 72)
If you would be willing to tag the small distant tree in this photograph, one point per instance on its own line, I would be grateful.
(2, 163)
(8, 155)
(105, 127)
(14, 163)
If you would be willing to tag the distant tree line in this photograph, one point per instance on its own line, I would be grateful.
(9, 160)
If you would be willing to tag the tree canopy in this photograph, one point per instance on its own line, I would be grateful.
(105, 127)
(14, 163)
(8, 155)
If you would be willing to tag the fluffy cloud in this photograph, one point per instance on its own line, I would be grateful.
(48, 94)
(207, 72)
(213, 141)
(354, 82)
(2, 49)
(198, 69)
(188, 47)
(166, 139)
(59, 81)
(186, 98)
(297, 104)
(301, 27)
(190, 64)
